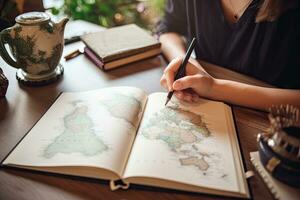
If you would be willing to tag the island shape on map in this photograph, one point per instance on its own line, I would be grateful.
(78, 136)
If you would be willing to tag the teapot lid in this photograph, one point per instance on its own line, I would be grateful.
(32, 18)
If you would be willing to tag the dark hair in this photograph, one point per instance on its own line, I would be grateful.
(270, 10)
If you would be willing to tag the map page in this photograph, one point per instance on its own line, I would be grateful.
(186, 143)
(94, 128)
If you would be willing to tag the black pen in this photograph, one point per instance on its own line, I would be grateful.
(70, 40)
(181, 71)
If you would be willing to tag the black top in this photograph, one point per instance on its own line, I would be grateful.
(269, 51)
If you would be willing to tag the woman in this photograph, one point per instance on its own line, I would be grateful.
(260, 38)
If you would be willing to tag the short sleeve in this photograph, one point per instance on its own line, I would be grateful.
(175, 18)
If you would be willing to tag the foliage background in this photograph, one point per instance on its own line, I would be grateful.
(109, 13)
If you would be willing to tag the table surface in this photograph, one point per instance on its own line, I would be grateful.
(23, 106)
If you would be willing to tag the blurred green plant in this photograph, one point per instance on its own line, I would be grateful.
(111, 13)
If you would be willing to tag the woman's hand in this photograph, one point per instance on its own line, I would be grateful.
(197, 81)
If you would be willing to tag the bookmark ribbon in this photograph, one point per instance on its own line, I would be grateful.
(118, 184)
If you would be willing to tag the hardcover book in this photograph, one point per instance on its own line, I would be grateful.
(118, 46)
(123, 133)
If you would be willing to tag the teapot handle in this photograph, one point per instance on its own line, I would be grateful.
(3, 51)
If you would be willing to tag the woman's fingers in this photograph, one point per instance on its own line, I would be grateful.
(196, 82)
(170, 72)
(195, 98)
(169, 76)
(192, 80)
(163, 82)
(187, 82)
(179, 95)
(187, 96)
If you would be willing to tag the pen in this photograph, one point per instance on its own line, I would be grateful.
(72, 39)
(181, 71)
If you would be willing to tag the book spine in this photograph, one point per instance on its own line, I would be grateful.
(265, 179)
(93, 57)
(130, 52)
(130, 59)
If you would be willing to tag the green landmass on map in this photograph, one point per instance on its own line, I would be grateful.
(78, 136)
(175, 126)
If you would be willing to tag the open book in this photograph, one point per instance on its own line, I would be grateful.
(121, 133)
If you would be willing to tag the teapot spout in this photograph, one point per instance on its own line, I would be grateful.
(62, 24)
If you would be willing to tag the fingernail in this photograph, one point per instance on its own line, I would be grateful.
(188, 98)
(180, 94)
(176, 85)
(195, 99)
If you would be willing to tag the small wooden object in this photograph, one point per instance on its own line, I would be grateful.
(3, 84)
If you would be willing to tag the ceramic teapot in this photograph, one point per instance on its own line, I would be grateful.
(36, 45)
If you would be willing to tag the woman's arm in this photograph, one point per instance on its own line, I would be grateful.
(252, 96)
(202, 84)
(172, 45)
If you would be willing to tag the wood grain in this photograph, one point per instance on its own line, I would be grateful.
(23, 106)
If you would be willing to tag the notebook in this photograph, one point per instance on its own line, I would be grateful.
(122, 133)
(119, 46)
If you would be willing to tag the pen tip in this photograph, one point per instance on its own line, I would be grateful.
(167, 101)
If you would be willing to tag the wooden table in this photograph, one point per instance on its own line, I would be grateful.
(23, 106)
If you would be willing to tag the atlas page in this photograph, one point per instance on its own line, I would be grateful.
(83, 132)
(187, 146)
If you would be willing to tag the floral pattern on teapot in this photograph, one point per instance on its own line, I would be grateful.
(36, 43)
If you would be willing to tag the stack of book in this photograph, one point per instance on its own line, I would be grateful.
(119, 46)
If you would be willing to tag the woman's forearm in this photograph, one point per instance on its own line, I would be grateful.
(172, 45)
(253, 96)
(261, 98)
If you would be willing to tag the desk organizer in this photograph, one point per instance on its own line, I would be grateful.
(279, 148)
